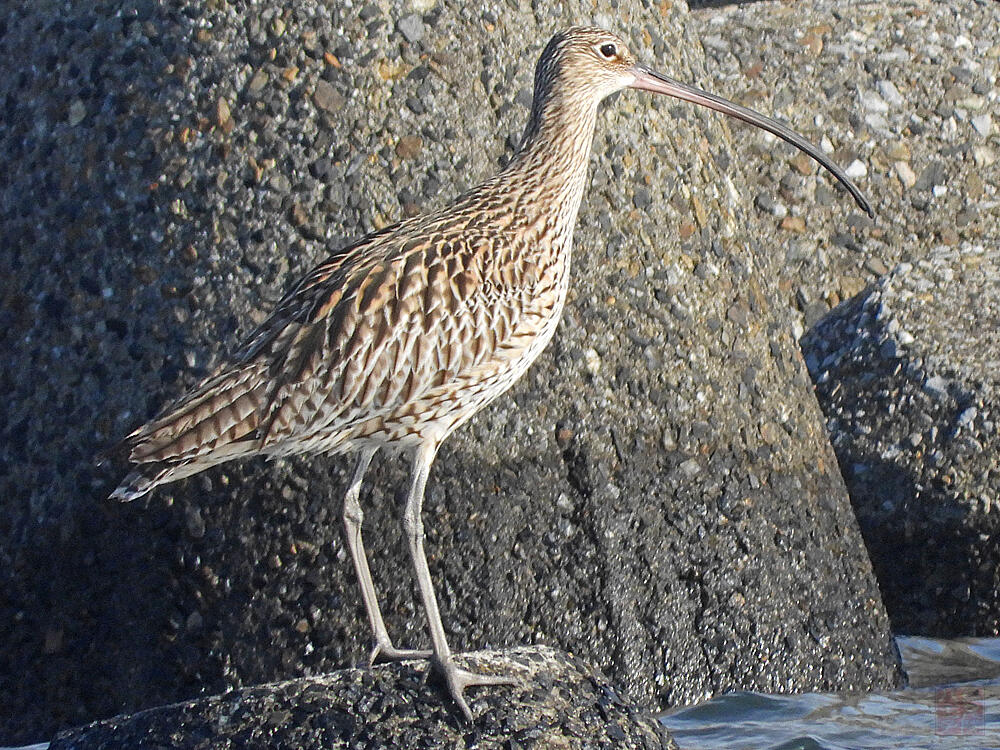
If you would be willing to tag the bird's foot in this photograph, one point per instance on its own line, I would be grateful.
(458, 680)
(383, 652)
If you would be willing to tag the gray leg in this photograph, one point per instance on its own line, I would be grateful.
(353, 516)
(456, 679)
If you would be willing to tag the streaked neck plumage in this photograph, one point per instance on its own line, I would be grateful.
(550, 167)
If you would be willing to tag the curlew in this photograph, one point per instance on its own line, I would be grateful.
(397, 340)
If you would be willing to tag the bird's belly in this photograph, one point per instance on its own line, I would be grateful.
(442, 409)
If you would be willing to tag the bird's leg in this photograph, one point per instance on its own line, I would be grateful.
(457, 679)
(353, 516)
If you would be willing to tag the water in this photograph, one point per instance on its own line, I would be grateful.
(952, 703)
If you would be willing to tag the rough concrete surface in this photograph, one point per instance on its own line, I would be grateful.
(562, 703)
(914, 83)
(917, 84)
(657, 495)
(906, 373)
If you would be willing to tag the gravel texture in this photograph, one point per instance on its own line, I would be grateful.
(907, 377)
(562, 703)
(904, 93)
(658, 495)
(910, 91)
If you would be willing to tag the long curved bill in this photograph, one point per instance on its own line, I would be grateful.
(649, 80)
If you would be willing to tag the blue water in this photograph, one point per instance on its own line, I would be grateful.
(952, 703)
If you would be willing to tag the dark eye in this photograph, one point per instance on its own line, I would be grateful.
(609, 50)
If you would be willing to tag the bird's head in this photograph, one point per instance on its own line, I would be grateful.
(586, 61)
(582, 65)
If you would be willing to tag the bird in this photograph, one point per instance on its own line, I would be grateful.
(396, 340)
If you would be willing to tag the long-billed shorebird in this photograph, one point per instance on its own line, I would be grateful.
(396, 340)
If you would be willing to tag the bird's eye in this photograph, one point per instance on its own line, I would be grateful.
(609, 50)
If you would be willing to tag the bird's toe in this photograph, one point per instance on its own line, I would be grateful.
(386, 652)
(458, 680)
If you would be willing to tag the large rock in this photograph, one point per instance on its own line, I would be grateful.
(903, 95)
(913, 85)
(561, 703)
(907, 375)
(658, 494)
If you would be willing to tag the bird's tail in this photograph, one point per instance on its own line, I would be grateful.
(149, 475)
(215, 423)
(141, 481)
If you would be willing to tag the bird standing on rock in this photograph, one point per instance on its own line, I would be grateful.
(400, 338)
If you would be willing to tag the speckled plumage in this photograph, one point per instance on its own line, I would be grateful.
(399, 337)
(397, 340)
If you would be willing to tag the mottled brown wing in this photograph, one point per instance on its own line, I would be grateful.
(370, 330)
(427, 313)
(231, 405)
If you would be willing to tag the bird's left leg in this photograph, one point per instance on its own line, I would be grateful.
(353, 516)
(457, 679)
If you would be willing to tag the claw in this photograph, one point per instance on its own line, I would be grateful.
(458, 680)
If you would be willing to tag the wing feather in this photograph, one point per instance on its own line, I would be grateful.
(369, 330)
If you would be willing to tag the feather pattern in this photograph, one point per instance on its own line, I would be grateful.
(403, 335)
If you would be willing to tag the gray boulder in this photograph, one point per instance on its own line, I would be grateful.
(657, 495)
(562, 703)
(906, 373)
(904, 98)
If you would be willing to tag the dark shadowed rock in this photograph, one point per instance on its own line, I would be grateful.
(658, 495)
(562, 703)
(906, 373)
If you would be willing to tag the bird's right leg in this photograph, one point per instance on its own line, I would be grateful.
(353, 516)
(443, 661)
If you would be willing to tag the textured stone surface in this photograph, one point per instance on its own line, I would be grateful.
(658, 495)
(902, 91)
(915, 86)
(906, 373)
(562, 703)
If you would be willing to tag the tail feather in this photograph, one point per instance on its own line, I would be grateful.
(140, 481)
(148, 476)
(223, 409)
(216, 422)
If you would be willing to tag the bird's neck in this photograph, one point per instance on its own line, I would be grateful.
(550, 166)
